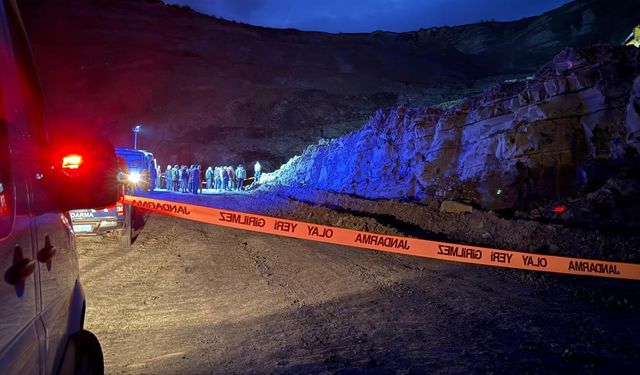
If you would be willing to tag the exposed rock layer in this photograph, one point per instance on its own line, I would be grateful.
(568, 129)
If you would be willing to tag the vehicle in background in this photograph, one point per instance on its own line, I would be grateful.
(134, 168)
(92, 221)
(97, 221)
(41, 179)
(111, 219)
(138, 162)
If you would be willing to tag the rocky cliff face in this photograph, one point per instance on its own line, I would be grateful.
(214, 91)
(569, 129)
(525, 44)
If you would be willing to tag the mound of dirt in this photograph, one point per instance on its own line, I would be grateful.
(564, 132)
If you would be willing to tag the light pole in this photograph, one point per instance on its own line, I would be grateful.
(136, 130)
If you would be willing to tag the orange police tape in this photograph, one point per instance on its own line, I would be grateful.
(394, 244)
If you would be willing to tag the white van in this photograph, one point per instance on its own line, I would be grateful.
(42, 303)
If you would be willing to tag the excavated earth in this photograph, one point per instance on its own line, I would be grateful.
(570, 132)
(193, 298)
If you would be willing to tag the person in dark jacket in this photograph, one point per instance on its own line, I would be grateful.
(197, 179)
(159, 174)
(176, 177)
(184, 178)
(225, 179)
(153, 174)
(232, 178)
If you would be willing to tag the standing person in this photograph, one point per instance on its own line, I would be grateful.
(190, 178)
(159, 173)
(153, 174)
(168, 178)
(241, 175)
(179, 177)
(176, 177)
(225, 178)
(208, 175)
(231, 178)
(227, 170)
(197, 180)
(257, 171)
(222, 176)
(217, 178)
(184, 178)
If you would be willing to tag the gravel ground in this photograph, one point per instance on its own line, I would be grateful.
(191, 298)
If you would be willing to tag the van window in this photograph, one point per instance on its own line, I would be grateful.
(135, 163)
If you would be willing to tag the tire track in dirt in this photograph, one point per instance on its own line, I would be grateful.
(192, 298)
(309, 310)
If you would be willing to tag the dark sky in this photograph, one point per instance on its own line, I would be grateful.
(368, 15)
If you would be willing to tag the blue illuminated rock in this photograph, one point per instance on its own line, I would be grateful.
(568, 129)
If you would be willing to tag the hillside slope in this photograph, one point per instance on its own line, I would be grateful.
(214, 91)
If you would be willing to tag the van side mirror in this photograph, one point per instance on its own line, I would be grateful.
(83, 174)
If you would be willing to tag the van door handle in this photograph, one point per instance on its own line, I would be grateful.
(20, 271)
(45, 254)
(48, 251)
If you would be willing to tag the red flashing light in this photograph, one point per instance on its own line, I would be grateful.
(72, 161)
(559, 209)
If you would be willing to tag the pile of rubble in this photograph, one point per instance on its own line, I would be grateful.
(564, 133)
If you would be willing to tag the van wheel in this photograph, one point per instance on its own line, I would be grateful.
(83, 355)
(89, 360)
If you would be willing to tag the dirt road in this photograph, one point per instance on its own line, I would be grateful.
(191, 298)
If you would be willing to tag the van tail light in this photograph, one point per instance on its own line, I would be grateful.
(71, 164)
(80, 172)
(71, 161)
(119, 209)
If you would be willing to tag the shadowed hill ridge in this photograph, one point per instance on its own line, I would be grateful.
(215, 91)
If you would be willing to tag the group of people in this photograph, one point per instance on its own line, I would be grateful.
(188, 179)
(183, 179)
(226, 178)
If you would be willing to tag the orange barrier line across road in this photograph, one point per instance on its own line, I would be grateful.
(393, 244)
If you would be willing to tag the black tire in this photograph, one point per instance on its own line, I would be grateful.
(83, 355)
